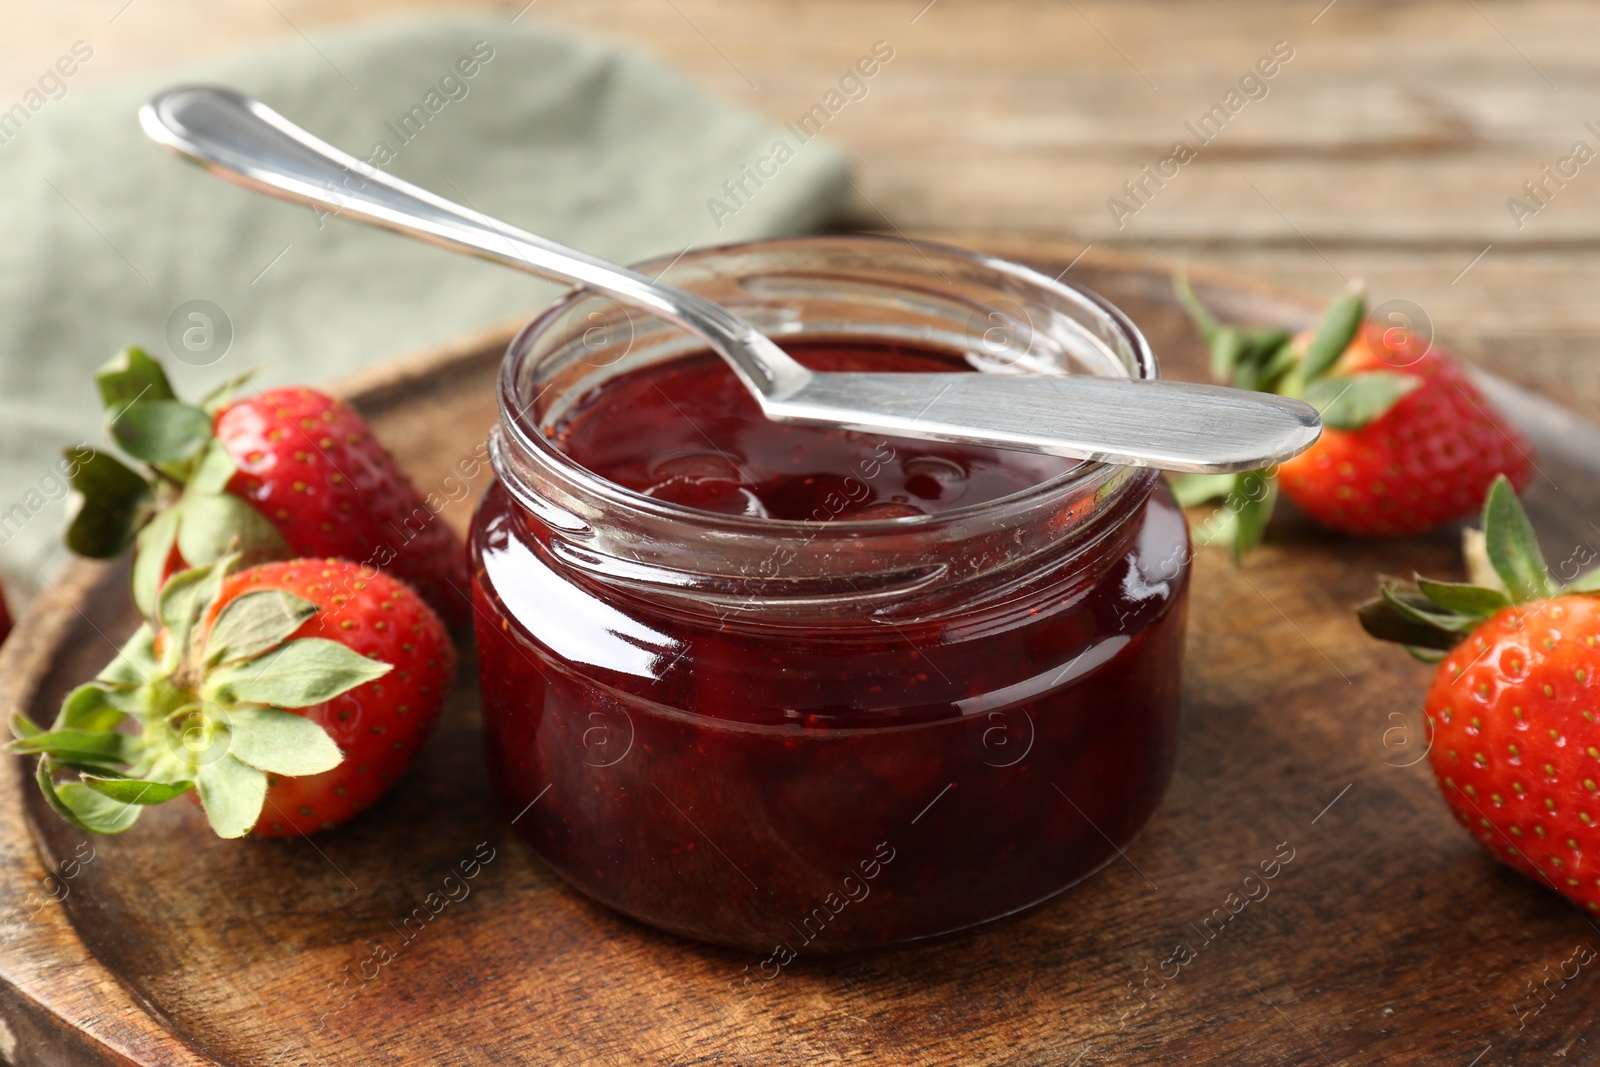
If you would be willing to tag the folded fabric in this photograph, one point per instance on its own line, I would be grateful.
(106, 240)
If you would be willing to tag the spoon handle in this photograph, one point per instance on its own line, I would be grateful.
(247, 142)
(1158, 423)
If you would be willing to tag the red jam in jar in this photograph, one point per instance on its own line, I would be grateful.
(804, 690)
(688, 432)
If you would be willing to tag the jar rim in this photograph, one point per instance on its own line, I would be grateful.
(1077, 478)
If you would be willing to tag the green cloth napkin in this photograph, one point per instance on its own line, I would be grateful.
(103, 236)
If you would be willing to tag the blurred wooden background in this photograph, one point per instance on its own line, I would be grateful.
(1385, 150)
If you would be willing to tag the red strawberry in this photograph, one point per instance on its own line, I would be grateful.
(1513, 737)
(280, 474)
(289, 696)
(5, 618)
(1408, 443)
(1428, 460)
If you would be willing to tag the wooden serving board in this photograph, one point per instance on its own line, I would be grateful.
(1387, 937)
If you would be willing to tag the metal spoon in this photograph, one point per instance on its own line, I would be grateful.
(1172, 425)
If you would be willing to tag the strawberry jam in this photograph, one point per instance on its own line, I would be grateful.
(804, 690)
(690, 433)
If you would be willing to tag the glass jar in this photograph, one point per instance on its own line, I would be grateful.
(814, 736)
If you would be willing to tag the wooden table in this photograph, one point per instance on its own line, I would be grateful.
(1385, 150)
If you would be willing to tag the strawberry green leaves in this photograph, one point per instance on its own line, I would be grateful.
(281, 743)
(135, 791)
(1306, 368)
(90, 708)
(1240, 522)
(232, 792)
(215, 469)
(1349, 403)
(1433, 616)
(1259, 492)
(77, 746)
(309, 671)
(223, 394)
(253, 623)
(1192, 490)
(1512, 548)
(215, 712)
(82, 806)
(176, 504)
(132, 375)
(1463, 599)
(155, 545)
(160, 431)
(1274, 361)
(143, 414)
(148, 422)
(1250, 359)
(213, 524)
(1204, 321)
(203, 528)
(135, 662)
(1337, 329)
(1403, 616)
(112, 502)
(183, 603)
